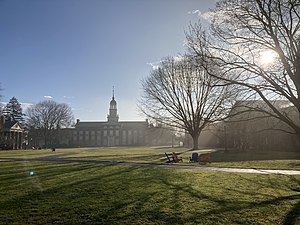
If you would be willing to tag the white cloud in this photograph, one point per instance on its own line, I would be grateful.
(48, 97)
(154, 65)
(197, 11)
(204, 15)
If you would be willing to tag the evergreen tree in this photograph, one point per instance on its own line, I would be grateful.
(13, 111)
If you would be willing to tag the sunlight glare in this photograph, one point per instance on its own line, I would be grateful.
(267, 57)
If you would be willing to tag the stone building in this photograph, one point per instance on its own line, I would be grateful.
(111, 132)
(249, 128)
(12, 135)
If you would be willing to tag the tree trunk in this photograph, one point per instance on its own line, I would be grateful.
(195, 141)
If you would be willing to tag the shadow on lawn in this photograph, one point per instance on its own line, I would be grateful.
(291, 184)
(229, 206)
(166, 204)
(56, 202)
(294, 214)
(107, 194)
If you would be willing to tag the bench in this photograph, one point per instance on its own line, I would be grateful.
(205, 158)
(176, 158)
(202, 158)
(169, 157)
(173, 158)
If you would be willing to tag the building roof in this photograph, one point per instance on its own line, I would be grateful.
(102, 124)
(12, 125)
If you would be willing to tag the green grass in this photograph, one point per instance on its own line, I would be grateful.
(36, 153)
(261, 164)
(256, 160)
(125, 154)
(73, 193)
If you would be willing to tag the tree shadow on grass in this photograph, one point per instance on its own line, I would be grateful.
(110, 194)
(292, 217)
(174, 191)
(225, 205)
(292, 184)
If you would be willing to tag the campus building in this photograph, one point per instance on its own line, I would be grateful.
(12, 135)
(250, 129)
(109, 133)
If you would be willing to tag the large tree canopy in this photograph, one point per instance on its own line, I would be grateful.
(48, 117)
(180, 93)
(256, 44)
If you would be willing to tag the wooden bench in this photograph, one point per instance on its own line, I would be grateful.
(176, 158)
(170, 158)
(173, 158)
(205, 158)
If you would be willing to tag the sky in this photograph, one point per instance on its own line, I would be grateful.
(75, 51)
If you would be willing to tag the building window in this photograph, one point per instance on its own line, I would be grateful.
(98, 135)
(135, 137)
(87, 135)
(129, 138)
(124, 137)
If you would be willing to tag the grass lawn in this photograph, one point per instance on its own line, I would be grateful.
(256, 160)
(75, 193)
(36, 153)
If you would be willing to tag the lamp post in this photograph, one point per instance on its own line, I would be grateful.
(225, 137)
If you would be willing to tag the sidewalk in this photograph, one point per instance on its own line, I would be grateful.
(167, 166)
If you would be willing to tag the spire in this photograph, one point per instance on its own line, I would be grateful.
(113, 114)
(113, 96)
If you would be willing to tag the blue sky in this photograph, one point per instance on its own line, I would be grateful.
(75, 51)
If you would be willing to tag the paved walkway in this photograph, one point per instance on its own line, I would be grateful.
(57, 158)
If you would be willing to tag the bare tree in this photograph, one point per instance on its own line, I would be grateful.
(180, 93)
(256, 44)
(46, 118)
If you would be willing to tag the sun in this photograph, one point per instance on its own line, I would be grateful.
(267, 57)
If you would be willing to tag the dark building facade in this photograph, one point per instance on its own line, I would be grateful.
(12, 135)
(251, 129)
(111, 132)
